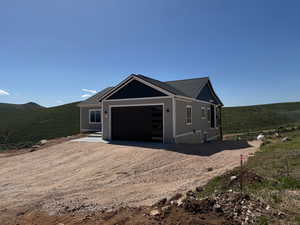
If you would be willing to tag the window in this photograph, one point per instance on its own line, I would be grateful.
(208, 115)
(213, 116)
(188, 115)
(95, 116)
(203, 116)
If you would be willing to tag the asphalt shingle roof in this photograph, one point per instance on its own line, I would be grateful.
(188, 88)
(161, 84)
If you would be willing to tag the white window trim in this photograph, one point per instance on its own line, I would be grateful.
(189, 106)
(203, 117)
(93, 110)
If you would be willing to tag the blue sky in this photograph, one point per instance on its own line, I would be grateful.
(51, 50)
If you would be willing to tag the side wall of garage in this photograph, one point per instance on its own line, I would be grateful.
(167, 114)
(85, 125)
(200, 126)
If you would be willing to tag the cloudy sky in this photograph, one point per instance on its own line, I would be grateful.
(60, 51)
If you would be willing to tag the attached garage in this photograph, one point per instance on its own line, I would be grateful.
(137, 123)
(144, 109)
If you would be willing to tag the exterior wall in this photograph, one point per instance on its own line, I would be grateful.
(167, 116)
(85, 125)
(194, 133)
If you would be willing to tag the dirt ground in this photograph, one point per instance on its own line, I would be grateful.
(80, 176)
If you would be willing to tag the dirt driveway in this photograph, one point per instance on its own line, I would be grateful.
(106, 175)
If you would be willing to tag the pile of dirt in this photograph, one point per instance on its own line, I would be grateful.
(241, 207)
(249, 177)
(232, 207)
(232, 179)
(222, 209)
(124, 216)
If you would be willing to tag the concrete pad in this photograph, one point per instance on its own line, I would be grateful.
(90, 139)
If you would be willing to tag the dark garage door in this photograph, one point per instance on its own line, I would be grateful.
(137, 123)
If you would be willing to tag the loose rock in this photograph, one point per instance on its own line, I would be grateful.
(261, 137)
(154, 212)
(285, 139)
(180, 202)
(233, 178)
(36, 146)
(44, 141)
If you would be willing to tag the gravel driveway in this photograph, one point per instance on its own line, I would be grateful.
(109, 175)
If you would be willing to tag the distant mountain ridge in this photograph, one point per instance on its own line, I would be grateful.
(29, 105)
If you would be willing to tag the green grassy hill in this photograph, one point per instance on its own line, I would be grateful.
(29, 123)
(258, 117)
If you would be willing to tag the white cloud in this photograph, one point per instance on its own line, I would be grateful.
(2, 92)
(90, 91)
(59, 101)
(85, 96)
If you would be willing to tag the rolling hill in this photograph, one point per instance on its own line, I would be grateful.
(258, 117)
(29, 123)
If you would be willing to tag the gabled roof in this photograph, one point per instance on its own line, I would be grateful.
(187, 88)
(95, 98)
(190, 88)
(160, 84)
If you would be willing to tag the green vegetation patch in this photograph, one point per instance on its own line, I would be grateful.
(24, 125)
(253, 118)
(272, 175)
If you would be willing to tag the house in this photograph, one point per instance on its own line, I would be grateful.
(144, 109)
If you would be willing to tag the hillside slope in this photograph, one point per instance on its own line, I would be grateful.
(31, 122)
(257, 117)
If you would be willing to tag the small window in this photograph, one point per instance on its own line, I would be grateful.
(213, 116)
(95, 116)
(208, 115)
(188, 115)
(203, 116)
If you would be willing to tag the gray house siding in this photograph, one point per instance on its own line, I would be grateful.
(173, 96)
(167, 114)
(195, 132)
(85, 124)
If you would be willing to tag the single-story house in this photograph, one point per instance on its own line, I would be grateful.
(144, 109)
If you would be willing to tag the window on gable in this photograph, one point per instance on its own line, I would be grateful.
(95, 116)
(203, 116)
(188, 115)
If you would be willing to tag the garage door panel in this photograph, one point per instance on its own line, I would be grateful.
(141, 123)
